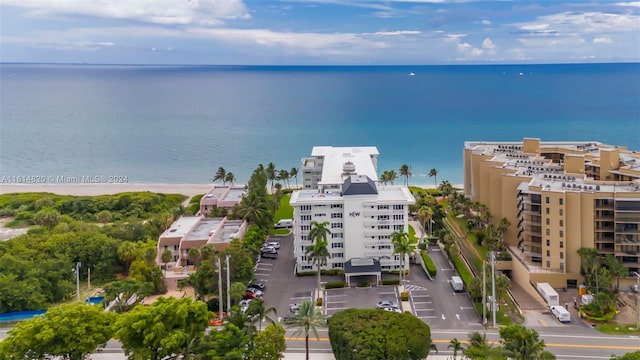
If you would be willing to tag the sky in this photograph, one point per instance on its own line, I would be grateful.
(319, 32)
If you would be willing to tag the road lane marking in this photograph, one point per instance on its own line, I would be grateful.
(423, 302)
(542, 322)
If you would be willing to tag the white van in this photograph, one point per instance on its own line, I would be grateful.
(457, 284)
(561, 313)
(284, 224)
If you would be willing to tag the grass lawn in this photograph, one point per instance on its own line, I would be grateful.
(616, 329)
(412, 235)
(285, 211)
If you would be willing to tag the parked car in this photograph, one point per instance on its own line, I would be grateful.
(258, 292)
(294, 308)
(289, 317)
(269, 248)
(269, 254)
(251, 295)
(244, 304)
(257, 285)
(274, 244)
(392, 309)
(386, 304)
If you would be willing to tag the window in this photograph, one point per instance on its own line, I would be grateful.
(398, 217)
(561, 222)
(336, 235)
(336, 215)
(548, 263)
(561, 212)
(320, 215)
(337, 245)
(383, 217)
(336, 225)
(304, 237)
(383, 227)
(336, 206)
(561, 244)
(548, 232)
(338, 265)
(305, 218)
(398, 227)
(305, 207)
(548, 221)
(561, 201)
(547, 210)
(562, 266)
(305, 227)
(337, 255)
(398, 207)
(548, 253)
(546, 200)
(561, 233)
(307, 267)
(561, 255)
(383, 207)
(303, 258)
(175, 247)
(548, 242)
(384, 247)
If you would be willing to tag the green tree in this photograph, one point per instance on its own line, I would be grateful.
(104, 216)
(405, 170)
(521, 343)
(124, 295)
(167, 256)
(318, 252)
(271, 173)
(480, 349)
(294, 174)
(166, 328)
(220, 175)
(375, 334)
(307, 320)
(253, 209)
(71, 331)
(434, 174)
(237, 291)
(229, 178)
(403, 247)
(260, 312)
(48, 218)
(503, 284)
(195, 257)
(269, 344)
(425, 213)
(127, 252)
(635, 355)
(616, 268)
(455, 346)
(230, 343)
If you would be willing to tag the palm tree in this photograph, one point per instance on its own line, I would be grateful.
(405, 170)
(403, 247)
(260, 312)
(237, 291)
(503, 225)
(434, 174)
(127, 252)
(271, 173)
(294, 173)
(241, 321)
(167, 255)
(284, 176)
(307, 320)
(318, 252)
(503, 284)
(425, 213)
(253, 208)
(616, 269)
(229, 178)
(456, 346)
(195, 257)
(220, 175)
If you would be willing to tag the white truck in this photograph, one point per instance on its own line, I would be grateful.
(457, 284)
(561, 313)
(283, 224)
(549, 294)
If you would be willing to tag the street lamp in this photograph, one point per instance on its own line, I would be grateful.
(637, 300)
(76, 269)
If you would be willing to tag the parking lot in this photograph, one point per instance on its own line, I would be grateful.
(336, 300)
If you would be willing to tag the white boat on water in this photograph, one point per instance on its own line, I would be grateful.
(412, 74)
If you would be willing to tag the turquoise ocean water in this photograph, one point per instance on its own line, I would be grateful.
(180, 123)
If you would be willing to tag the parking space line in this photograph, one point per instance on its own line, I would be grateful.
(339, 308)
(330, 296)
(420, 296)
(262, 273)
(426, 317)
(423, 302)
(387, 293)
(424, 310)
(335, 302)
(301, 298)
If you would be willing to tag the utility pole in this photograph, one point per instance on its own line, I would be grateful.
(220, 288)
(493, 287)
(77, 270)
(484, 294)
(638, 300)
(89, 278)
(228, 285)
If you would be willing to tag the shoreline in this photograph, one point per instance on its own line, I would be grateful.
(189, 190)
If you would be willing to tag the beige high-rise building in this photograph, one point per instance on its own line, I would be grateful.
(559, 197)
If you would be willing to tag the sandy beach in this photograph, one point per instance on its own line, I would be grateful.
(106, 189)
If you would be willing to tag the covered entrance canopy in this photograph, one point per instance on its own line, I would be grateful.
(360, 267)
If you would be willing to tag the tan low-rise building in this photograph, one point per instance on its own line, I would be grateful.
(193, 232)
(221, 197)
(559, 197)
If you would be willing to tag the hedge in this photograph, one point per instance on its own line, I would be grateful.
(404, 296)
(391, 282)
(431, 267)
(334, 284)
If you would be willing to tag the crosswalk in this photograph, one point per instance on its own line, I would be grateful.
(410, 288)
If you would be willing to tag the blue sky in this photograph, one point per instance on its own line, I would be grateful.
(283, 32)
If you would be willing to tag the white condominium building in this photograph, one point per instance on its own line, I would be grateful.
(341, 187)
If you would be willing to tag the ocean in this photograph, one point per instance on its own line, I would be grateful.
(178, 124)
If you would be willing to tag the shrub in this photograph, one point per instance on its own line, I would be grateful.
(363, 283)
(334, 284)
(391, 282)
(305, 273)
(431, 267)
(404, 296)
(422, 246)
(319, 301)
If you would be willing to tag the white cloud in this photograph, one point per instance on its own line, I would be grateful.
(488, 44)
(395, 33)
(602, 40)
(586, 22)
(485, 22)
(630, 3)
(193, 12)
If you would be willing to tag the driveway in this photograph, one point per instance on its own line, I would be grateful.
(360, 298)
(435, 302)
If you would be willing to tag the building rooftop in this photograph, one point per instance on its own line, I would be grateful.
(336, 157)
(235, 194)
(229, 231)
(385, 193)
(359, 185)
(181, 226)
(216, 192)
(203, 229)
